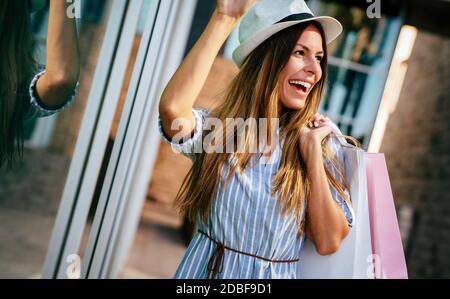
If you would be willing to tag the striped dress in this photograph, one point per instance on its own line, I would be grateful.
(247, 219)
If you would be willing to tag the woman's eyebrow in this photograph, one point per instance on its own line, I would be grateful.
(307, 49)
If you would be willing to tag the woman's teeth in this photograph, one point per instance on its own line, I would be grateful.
(303, 85)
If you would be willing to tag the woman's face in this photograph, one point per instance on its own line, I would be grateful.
(302, 71)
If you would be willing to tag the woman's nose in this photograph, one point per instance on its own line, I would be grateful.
(312, 66)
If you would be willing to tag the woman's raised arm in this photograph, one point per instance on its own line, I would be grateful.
(182, 90)
(63, 60)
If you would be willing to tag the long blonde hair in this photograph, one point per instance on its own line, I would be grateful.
(17, 66)
(253, 93)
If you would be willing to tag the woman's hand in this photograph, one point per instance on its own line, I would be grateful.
(311, 137)
(233, 8)
(326, 224)
(185, 85)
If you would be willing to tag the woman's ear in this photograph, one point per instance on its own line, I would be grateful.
(36, 5)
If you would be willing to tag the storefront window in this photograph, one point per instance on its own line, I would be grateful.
(359, 61)
(30, 193)
(358, 65)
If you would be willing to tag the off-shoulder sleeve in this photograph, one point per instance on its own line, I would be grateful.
(39, 109)
(193, 145)
(346, 207)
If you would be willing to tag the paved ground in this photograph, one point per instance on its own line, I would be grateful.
(29, 199)
(158, 247)
(156, 253)
(24, 238)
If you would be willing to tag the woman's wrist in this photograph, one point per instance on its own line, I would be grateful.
(224, 19)
(313, 154)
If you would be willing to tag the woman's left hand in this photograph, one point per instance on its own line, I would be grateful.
(234, 8)
(311, 137)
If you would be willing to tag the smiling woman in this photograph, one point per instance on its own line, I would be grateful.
(28, 90)
(252, 216)
(295, 85)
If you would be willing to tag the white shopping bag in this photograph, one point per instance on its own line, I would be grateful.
(354, 257)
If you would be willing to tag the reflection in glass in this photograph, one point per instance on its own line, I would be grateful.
(358, 57)
(31, 190)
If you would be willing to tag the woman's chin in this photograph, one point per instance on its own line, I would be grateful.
(295, 104)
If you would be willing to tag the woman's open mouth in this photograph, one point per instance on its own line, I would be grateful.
(300, 87)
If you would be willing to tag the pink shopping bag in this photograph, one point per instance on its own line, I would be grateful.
(389, 258)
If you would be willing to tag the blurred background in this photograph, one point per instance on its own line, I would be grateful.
(97, 181)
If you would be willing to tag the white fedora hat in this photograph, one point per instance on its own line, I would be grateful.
(268, 17)
(36, 5)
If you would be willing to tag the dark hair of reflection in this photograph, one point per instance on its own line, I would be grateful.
(17, 65)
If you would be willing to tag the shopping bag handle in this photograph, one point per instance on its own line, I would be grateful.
(336, 133)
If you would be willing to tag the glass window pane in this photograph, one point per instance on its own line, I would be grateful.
(31, 191)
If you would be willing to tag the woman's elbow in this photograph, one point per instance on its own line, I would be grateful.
(64, 82)
(332, 243)
(328, 248)
(167, 109)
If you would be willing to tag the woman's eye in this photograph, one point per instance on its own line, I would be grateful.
(300, 52)
(319, 58)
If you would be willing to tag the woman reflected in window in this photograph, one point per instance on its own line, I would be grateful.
(28, 89)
